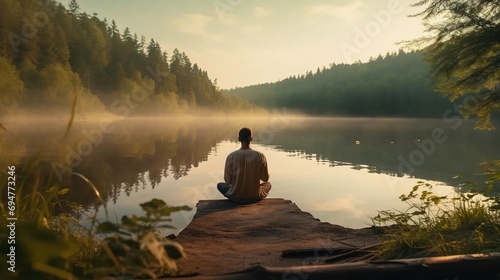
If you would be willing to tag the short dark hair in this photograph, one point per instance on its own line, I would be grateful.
(245, 135)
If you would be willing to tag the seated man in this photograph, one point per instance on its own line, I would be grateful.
(244, 170)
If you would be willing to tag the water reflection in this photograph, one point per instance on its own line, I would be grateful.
(392, 146)
(339, 169)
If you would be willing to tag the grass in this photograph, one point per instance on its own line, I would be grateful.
(434, 225)
(53, 244)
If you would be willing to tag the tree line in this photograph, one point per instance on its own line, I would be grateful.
(397, 84)
(49, 54)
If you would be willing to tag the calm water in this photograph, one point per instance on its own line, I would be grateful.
(340, 170)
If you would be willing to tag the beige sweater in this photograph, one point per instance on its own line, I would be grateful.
(244, 170)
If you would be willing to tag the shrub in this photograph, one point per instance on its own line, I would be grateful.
(436, 225)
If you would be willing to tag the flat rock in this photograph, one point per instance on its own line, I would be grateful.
(225, 237)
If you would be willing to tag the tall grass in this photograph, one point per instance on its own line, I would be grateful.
(434, 225)
(53, 244)
(49, 241)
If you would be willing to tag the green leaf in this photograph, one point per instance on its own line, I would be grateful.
(435, 199)
(63, 191)
(424, 195)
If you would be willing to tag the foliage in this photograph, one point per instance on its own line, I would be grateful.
(493, 173)
(46, 243)
(11, 86)
(435, 225)
(394, 85)
(132, 246)
(492, 182)
(51, 242)
(464, 53)
(71, 52)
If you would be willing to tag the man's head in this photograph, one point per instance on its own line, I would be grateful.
(245, 135)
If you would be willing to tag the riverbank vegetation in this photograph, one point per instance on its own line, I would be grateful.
(440, 225)
(463, 52)
(49, 240)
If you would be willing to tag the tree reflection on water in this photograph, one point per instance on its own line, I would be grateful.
(140, 153)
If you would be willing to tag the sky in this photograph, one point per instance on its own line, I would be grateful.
(246, 42)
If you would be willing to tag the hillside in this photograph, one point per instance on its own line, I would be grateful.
(50, 54)
(394, 85)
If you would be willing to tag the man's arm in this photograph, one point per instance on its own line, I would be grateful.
(228, 170)
(264, 173)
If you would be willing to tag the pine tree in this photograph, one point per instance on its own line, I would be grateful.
(465, 53)
(74, 8)
(10, 83)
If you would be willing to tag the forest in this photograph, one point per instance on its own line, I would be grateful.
(397, 84)
(52, 56)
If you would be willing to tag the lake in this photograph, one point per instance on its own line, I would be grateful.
(341, 170)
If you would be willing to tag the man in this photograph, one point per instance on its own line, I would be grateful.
(244, 170)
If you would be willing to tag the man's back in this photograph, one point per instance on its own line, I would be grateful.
(243, 171)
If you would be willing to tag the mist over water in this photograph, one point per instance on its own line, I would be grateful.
(340, 169)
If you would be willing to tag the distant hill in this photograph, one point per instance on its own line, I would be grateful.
(395, 85)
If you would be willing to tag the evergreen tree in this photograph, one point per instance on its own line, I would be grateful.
(465, 53)
(396, 85)
(10, 31)
(75, 50)
(74, 8)
(10, 83)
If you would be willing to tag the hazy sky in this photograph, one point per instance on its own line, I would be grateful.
(244, 42)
